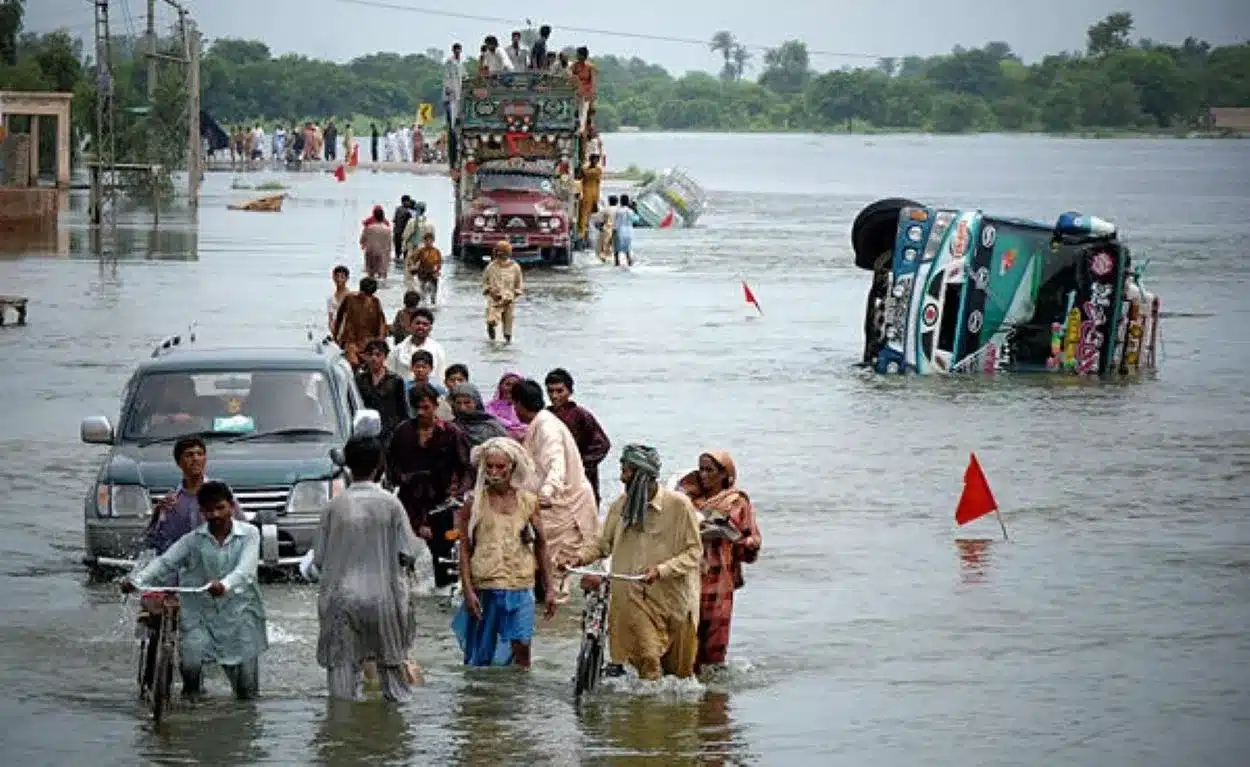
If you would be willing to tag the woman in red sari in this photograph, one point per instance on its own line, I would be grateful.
(731, 537)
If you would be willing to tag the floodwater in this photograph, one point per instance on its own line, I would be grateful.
(1113, 629)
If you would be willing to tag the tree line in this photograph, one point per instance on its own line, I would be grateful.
(1117, 83)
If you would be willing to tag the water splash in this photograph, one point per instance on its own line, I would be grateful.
(669, 687)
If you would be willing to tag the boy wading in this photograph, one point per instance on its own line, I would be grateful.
(502, 284)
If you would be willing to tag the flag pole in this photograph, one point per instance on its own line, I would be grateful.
(999, 515)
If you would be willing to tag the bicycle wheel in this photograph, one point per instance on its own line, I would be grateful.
(163, 678)
(589, 665)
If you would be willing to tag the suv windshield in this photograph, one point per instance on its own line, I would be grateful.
(169, 405)
(515, 182)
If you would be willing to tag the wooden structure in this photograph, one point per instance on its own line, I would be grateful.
(105, 180)
(17, 303)
(1230, 119)
(37, 104)
(270, 204)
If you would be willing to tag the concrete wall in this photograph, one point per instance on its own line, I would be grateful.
(15, 160)
(27, 211)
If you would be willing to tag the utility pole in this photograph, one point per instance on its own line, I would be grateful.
(103, 145)
(191, 44)
(151, 45)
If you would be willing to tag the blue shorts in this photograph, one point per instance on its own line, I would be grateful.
(507, 617)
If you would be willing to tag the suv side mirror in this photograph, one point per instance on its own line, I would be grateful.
(367, 423)
(337, 457)
(96, 430)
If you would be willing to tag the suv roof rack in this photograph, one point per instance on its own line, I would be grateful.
(319, 345)
(174, 341)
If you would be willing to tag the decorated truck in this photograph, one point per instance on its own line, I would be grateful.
(516, 145)
(962, 291)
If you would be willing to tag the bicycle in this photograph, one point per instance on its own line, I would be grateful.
(158, 643)
(452, 560)
(594, 627)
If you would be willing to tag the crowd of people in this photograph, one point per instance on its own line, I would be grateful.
(252, 149)
(526, 464)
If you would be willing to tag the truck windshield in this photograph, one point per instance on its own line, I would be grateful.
(516, 182)
(168, 405)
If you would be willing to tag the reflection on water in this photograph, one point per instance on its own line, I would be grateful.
(974, 558)
(367, 732)
(229, 730)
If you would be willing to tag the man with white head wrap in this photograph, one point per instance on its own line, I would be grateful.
(652, 531)
(502, 556)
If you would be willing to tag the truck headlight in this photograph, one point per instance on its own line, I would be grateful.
(479, 222)
(308, 497)
(122, 501)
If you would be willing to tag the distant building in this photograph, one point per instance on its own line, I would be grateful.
(1232, 119)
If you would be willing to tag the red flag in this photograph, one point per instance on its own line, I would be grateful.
(976, 500)
(340, 174)
(667, 221)
(750, 297)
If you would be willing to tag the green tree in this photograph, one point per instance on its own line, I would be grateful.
(724, 42)
(11, 12)
(1109, 35)
(787, 69)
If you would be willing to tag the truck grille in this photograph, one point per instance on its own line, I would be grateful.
(520, 223)
(252, 499)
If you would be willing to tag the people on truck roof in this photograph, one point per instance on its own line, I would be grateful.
(539, 58)
(492, 62)
(517, 55)
(453, 73)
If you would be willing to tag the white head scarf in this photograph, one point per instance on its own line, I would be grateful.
(522, 470)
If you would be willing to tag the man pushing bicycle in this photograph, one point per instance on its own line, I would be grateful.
(652, 531)
(225, 622)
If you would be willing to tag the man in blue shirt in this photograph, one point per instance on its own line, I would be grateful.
(225, 623)
(178, 513)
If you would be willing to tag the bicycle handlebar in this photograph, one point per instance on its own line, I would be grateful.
(172, 589)
(612, 576)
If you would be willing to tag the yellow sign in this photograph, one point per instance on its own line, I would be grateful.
(425, 114)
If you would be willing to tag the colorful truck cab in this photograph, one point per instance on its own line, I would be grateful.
(961, 291)
(517, 143)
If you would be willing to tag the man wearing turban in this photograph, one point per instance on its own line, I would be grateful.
(653, 532)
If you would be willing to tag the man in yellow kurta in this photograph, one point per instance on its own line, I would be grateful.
(592, 180)
(652, 531)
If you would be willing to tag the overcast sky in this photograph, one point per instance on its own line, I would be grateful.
(343, 29)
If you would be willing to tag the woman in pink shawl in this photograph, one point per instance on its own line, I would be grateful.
(501, 405)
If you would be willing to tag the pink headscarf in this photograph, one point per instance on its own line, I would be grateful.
(501, 407)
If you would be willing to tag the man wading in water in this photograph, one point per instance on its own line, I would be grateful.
(502, 284)
(224, 624)
(364, 606)
(359, 321)
(652, 531)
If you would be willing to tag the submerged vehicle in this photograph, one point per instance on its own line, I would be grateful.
(671, 199)
(269, 418)
(962, 291)
(516, 142)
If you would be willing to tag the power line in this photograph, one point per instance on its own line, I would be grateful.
(585, 30)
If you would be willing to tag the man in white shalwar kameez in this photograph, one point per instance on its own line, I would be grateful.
(566, 499)
(365, 605)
